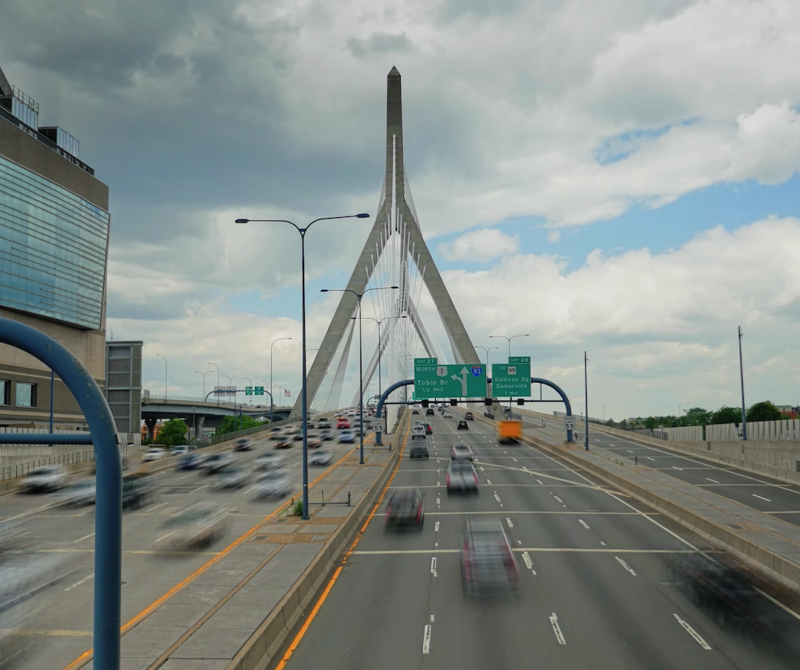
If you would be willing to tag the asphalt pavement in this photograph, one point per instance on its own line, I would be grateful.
(770, 496)
(596, 591)
(63, 625)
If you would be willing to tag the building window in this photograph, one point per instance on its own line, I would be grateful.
(5, 392)
(26, 394)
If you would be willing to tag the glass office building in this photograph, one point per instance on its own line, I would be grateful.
(53, 246)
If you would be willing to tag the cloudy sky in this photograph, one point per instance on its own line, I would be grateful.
(615, 176)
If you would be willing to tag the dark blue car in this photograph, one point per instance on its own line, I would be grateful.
(191, 462)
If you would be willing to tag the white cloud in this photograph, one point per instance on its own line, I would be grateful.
(657, 326)
(480, 246)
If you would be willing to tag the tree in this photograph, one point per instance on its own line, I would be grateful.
(231, 424)
(173, 433)
(727, 414)
(697, 416)
(650, 422)
(764, 411)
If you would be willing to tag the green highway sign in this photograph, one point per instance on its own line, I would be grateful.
(512, 380)
(432, 380)
(259, 390)
(248, 390)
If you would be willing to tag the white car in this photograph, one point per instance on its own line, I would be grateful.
(320, 457)
(461, 452)
(270, 460)
(198, 524)
(231, 477)
(243, 444)
(418, 432)
(180, 450)
(274, 484)
(153, 454)
(79, 493)
(50, 478)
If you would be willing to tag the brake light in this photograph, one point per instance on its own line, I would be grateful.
(448, 479)
(475, 474)
(419, 512)
(508, 558)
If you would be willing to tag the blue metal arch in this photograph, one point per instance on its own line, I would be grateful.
(108, 519)
(382, 399)
(557, 389)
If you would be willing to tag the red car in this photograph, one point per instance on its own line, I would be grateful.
(343, 423)
(468, 416)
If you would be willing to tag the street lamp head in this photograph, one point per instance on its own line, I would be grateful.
(242, 220)
(324, 290)
(362, 216)
(394, 287)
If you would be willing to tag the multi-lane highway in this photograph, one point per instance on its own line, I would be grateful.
(771, 497)
(596, 589)
(62, 627)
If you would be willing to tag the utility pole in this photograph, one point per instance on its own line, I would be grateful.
(586, 396)
(741, 379)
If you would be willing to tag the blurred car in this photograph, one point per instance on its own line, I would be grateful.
(79, 493)
(487, 561)
(153, 454)
(196, 525)
(468, 416)
(11, 534)
(191, 461)
(44, 479)
(180, 450)
(347, 436)
(419, 451)
(231, 477)
(313, 441)
(275, 433)
(137, 490)
(320, 457)
(269, 461)
(428, 429)
(297, 434)
(405, 508)
(462, 425)
(342, 423)
(462, 451)
(461, 476)
(215, 462)
(285, 442)
(243, 444)
(324, 423)
(430, 412)
(447, 414)
(418, 432)
(326, 435)
(274, 484)
(415, 411)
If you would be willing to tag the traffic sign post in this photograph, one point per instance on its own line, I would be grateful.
(248, 390)
(512, 379)
(569, 423)
(432, 380)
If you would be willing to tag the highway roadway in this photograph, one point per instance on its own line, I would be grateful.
(769, 496)
(63, 627)
(596, 591)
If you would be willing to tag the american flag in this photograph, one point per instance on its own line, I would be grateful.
(287, 393)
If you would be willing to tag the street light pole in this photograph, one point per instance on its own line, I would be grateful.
(271, 403)
(204, 379)
(304, 404)
(741, 379)
(166, 372)
(380, 340)
(217, 394)
(487, 350)
(359, 296)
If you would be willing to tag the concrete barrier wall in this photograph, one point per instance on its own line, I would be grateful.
(258, 652)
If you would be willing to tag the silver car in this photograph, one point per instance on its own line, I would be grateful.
(274, 484)
(462, 452)
(196, 525)
(270, 460)
(50, 478)
(320, 457)
(80, 493)
(231, 477)
(461, 476)
(215, 462)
